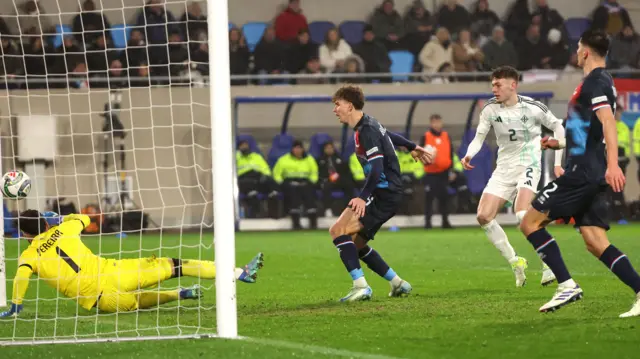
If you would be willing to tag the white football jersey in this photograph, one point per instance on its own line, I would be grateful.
(518, 130)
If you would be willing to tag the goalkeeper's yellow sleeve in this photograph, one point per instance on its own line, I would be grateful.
(21, 283)
(74, 223)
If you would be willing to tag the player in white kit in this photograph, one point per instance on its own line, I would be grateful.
(516, 121)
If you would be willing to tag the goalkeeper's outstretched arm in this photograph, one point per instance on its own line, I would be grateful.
(20, 285)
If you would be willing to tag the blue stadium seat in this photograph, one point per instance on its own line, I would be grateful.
(280, 146)
(253, 145)
(61, 31)
(253, 32)
(352, 31)
(401, 62)
(349, 147)
(478, 177)
(318, 30)
(231, 25)
(120, 34)
(317, 142)
(576, 26)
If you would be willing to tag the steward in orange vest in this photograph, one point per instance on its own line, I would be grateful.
(437, 173)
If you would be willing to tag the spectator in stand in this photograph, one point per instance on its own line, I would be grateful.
(610, 17)
(178, 56)
(78, 76)
(467, 56)
(353, 65)
(194, 22)
(572, 72)
(624, 52)
(454, 16)
(89, 24)
(300, 52)
(200, 58)
(373, 53)
(100, 55)
(33, 21)
(34, 61)
(157, 24)
(4, 29)
(69, 55)
(548, 18)
(436, 52)
(558, 50)
(418, 24)
(518, 20)
(269, 54)
(334, 51)
(387, 25)
(444, 75)
(136, 51)
(11, 63)
(290, 22)
(483, 20)
(334, 175)
(532, 50)
(238, 55)
(498, 51)
(141, 73)
(312, 68)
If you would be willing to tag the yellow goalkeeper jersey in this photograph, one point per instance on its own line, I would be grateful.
(60, 258)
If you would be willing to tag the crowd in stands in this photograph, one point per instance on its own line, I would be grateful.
(162, 48)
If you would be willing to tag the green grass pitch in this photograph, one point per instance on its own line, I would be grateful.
(464, 303)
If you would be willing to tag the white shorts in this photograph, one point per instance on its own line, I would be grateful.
(506, 182)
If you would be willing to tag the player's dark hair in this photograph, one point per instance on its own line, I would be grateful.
(596, 40)
(352, 94)
(435, 116)
(31, 222)
(505, 72)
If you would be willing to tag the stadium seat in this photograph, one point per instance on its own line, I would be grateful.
(253, 145)
(478, 177)
(318, 30)
(576, 26)
(120, 34)
(253, 32)
(280, 146)
(231, 25)
(352, 31)
(61, 30)
(401, 62)
(317, 142)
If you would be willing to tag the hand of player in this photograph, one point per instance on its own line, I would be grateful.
(52, 218)
(358, 206)
(615, 177)
(12, 312)
(466, 163)
(422, 155)
(549, 143)
(558, 171)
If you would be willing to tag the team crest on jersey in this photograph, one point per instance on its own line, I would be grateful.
(524, 119)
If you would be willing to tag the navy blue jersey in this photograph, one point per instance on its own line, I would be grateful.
(585, 146)
(372, 141)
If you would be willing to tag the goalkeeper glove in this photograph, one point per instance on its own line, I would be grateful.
(52, 218)
(12, 312)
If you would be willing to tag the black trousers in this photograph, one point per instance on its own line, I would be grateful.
(251, 184)
(435, 188)
(464, 197)
(300, 197)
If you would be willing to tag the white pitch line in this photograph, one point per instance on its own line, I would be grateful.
(316, 349)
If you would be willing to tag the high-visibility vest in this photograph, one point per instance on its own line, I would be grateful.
(442, 144)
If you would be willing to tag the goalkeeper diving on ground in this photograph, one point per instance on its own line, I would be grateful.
(60, 258)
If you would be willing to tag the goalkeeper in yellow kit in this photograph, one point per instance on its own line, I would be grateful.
(59, 257)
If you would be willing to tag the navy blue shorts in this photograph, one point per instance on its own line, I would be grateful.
(381, 206)
(576, 195)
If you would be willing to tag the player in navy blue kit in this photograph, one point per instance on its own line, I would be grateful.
(379, 199)
(581, 191)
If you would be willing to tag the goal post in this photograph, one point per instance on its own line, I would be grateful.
(147, 152)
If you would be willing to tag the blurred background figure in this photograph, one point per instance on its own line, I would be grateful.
(334, 175)
(412, 173)
(254, 179)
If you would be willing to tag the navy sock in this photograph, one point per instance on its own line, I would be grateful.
(549, 252)
(349, 256)
(620, 265)
(373, 260)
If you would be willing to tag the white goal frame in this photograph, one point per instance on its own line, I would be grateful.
(223, 206)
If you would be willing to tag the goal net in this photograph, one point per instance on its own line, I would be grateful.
(107, 109)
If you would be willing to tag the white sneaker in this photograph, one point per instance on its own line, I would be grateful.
(519, 266)
(635, 309)
(358, 294)
(564, 295)
(401, 290)
(547, 275)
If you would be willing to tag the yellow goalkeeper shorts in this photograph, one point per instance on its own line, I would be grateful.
(121, 279)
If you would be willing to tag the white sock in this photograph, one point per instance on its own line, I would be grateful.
(569, 283)
(520, 216)
(496, 235)
(239, 272)
(360, 283)
(396, 281)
